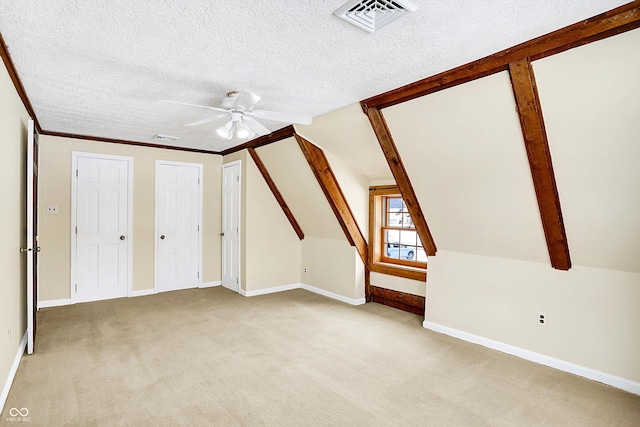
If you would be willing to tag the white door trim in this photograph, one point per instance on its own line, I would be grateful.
(74, 194)
(239, 251)
(156, 232)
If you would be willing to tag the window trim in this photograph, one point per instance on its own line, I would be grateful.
(377, 261)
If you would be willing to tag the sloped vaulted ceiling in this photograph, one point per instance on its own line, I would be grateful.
(99, 68)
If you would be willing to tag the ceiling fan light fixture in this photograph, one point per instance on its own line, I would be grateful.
(242, 131)
(225, 131)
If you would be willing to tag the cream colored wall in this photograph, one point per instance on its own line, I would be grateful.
(465, 155)
(355, 188)
(347, 134)
(591, 104)
(273, 249)
(400, 284)
(331, 266)
(292, 175)
(592, 313)
(13, 137)
(55, 230)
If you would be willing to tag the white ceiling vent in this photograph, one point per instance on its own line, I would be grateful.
(371, 15)
(165, 138)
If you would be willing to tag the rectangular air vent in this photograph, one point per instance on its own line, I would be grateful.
(371, 15)
(165, 138)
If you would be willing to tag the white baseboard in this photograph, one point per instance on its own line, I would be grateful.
(12, 372)
(143, 292)
(562, 365)
(306, 287)
(269, 290)
(210, 284)
(352, 301)
(54, 303)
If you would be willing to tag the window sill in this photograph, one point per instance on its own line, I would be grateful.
(412, 273)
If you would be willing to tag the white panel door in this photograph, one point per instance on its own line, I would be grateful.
(178, 208)
(231, 226)
(102, 225)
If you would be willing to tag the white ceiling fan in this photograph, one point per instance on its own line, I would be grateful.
(242, 123)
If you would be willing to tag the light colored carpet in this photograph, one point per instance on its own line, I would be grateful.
(212, 357)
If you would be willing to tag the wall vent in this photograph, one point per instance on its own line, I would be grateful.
(165, 138)
(371, 15)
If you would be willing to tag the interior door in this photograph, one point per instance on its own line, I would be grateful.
(231, 226)
(178, 213)
(32, 248)
(102, 228)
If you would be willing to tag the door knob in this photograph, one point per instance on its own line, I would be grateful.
(121, 237)
(222, 234)
(162, 237)
(37, 249)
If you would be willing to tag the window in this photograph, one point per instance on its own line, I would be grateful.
(395, 247)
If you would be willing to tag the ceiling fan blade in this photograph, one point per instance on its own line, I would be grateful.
(207, 120)
(255, 126)
(246, 100)
(194, 105)
(302, 119)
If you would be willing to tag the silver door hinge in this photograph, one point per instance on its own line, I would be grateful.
(198, 227)
(238, 178)
(76, 230)
(76, 172)
(76, 288)
(198, 181)
(237, 280)
(198, 274)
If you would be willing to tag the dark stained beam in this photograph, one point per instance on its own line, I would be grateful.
(17, 83)
(537, 145)
(338, 202)
(403, 182)
(126, 142)
(616, 21)
(275, 136)
(276, 192)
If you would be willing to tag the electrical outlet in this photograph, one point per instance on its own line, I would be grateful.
(52, 209)
(542, 319)
(305, 270)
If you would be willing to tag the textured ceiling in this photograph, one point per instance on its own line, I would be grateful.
(99, 68)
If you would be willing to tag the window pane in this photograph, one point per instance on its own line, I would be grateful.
(393, 219)
(401, 252)
(408, 237)
(404, 207)
(422, 255)
(394, 203)
(407, 222)
(392, 236)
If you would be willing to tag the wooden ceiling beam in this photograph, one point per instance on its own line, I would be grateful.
(616, 21)
(331, 188)
(537, 146)
(275, 136)
(276, 193)
(390, 151)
